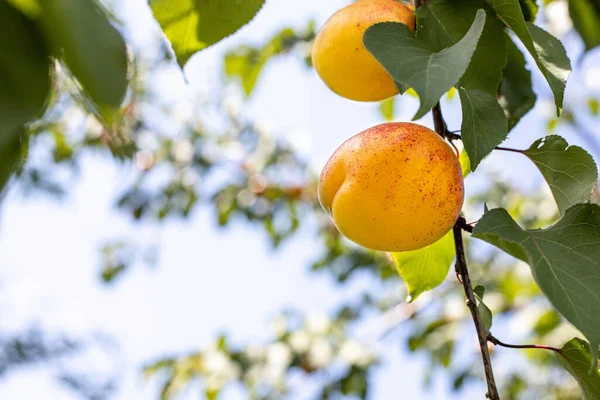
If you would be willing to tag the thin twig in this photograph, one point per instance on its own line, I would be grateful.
(511, 150)
(492, 339)
(463, 273)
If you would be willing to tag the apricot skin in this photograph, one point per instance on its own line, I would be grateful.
(393, 187)
(340, 57)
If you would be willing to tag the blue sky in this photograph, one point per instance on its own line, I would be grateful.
(49, 250)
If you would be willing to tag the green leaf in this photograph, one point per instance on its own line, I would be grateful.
(484, 311)
(576, 358)
(586, 19)
(516, 92)
(193, 25)
(570, 171)
(25, 85)
(564, 260)
(412, 64)
(465, 163)
(484, 124)
(426, 268)
(548, 52)
(443, 23)
(386, 108)
(92, 48)
(31, 8)
(530, 9)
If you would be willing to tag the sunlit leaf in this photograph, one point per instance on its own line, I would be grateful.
(426, 268)
(193, 25)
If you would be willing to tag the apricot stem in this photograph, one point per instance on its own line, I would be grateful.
(463, 273)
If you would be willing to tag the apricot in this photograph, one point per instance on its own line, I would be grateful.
(342, 60)
(393, 187)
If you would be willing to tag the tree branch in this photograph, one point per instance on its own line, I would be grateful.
(492, 339)
(463, 273)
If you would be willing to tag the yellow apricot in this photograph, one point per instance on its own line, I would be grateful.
(342, 60)
(393, 187)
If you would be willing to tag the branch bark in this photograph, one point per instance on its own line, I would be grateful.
(463, 272)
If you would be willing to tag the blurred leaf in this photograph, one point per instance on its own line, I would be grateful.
(586, 19)
(484, 311)
(426, 268)
(484, 124)
(386, 108)
(95, 52)
(594, 106)
(548, 52)
(516, 91)
(575, 357)
(564, 260)
(25, 85)
(443, 24)
(570, 171)
(412, 64)
(193, 25)
(30, 8)
(546, 323)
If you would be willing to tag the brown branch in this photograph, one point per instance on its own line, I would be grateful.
(463, 273)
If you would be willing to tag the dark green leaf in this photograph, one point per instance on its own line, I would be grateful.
(586, 19)
(386, 108)
(576, 358)
(516, 93)
(412, 64)
(443, 23)
(25, 74)
(483, 126)
(529, 9)
(484, 311)
(548, 52)
(94, 51)
(193, 25)
(570, 171)
(426, 268)
(564, 260)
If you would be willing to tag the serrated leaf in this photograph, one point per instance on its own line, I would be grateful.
(570, 171)
(193, 25)
(24, 84)
(484, 124)
(564, 260)
(516, 91)
(484, 311)
(94, 50)
(547, 51)
(586, 19)
(576, 358)
(426, 268)
(386, 108)
(442, 23)
(412, 64)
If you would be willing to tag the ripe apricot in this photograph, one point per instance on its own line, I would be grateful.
(393, 187)
(342, 60)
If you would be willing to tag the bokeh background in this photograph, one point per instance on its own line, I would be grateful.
(184, 254)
